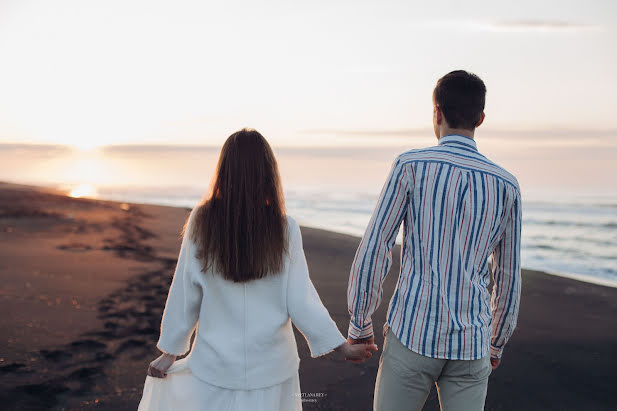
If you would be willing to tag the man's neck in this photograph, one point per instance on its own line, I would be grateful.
(459, 131)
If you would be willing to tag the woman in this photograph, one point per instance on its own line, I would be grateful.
(242, 276)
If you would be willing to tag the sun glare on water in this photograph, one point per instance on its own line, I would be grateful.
(83, 190)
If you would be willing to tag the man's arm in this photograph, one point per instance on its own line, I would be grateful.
(373, 257)
(506, 268)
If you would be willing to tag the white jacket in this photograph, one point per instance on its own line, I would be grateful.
(245, 339)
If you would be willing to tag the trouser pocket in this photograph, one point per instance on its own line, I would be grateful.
(480, 368)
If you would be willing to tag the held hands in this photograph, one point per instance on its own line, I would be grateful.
(158, 368)
(357, 351)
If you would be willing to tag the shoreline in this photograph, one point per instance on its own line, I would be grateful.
(583, 278)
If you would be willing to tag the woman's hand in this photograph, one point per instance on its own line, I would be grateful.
(158, 368)
(356, 353)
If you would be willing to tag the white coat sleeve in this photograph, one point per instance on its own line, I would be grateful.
(181, 311)
(304, 306)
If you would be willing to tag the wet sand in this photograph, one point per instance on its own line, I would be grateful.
(83, 284)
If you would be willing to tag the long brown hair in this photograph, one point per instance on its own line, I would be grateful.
(240, 229)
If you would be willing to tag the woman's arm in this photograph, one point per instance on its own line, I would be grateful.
(308, 312)
(181, 312)
(304, 306)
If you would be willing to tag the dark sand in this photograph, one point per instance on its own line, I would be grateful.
(83, 284)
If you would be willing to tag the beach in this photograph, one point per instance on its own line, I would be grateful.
(84, 283)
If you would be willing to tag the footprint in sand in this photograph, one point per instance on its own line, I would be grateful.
(13, 367)
(136, 349)
(88, 346)
(75, 247)
(56, 355)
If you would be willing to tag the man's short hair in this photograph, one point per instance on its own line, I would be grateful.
(460, 95)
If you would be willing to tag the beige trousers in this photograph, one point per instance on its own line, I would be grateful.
(405, 379)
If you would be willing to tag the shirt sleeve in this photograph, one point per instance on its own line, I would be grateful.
(374, 255)
(181, 311)
(506, 270)
(304, 306)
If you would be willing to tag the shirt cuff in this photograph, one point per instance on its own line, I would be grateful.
(496, 352)
(355, 332)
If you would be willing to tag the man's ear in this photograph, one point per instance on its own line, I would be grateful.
(481, 120)
(438, 114)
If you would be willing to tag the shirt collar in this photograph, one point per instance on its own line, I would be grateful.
(458, 140)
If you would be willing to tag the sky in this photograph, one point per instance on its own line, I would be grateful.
(319, 74)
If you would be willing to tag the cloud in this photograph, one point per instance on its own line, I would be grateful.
(552, 133)
(369, 153)
(285, 151)
(156, 148)
(539, 26)
(40, 149)
(515, 26)
(372, 133)
(520, 134)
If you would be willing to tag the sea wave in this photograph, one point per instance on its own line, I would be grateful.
(566, 223)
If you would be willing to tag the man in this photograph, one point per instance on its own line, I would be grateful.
(458, 209)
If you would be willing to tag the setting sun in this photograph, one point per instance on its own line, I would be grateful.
(83, 190)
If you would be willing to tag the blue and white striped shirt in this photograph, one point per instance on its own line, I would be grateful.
(459, 209)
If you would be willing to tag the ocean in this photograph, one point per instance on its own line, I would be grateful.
(565, 233)
(576, 239)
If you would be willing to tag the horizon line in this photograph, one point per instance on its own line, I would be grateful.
(527, 134)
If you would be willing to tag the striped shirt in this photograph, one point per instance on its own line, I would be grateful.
(459, 210)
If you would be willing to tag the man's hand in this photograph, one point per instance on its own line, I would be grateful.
(370, 341)
(358, 352)
(495, 362)
(158, 368)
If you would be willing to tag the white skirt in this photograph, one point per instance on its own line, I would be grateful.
(182, 390)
